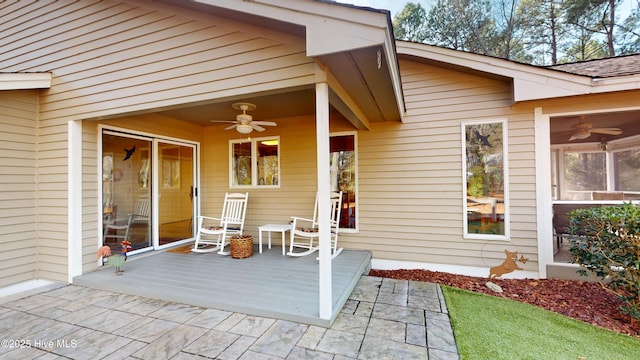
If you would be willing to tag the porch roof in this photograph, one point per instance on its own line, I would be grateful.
(267, 284)
(354, 45)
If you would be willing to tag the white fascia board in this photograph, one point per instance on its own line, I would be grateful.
(545, 88)
(25, 81)
(620, 83)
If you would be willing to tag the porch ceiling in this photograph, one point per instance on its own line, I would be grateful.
(268, 107)
(627, 121)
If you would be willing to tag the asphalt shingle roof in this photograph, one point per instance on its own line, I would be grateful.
(603, 68)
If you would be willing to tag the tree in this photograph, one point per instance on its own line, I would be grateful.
(410, 23)
(540, 32)
(594, 16)
(543, 29)
(630, 33)
(509, 37)
(462, 25)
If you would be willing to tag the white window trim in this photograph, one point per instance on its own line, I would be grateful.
(505, 150)
(254, 166)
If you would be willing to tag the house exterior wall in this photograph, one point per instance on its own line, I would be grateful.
(111, 58)
(18, 186)
(410, 188)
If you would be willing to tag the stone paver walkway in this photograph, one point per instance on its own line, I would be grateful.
(383, 319)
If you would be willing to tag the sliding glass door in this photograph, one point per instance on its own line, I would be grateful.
(175, 191)
(147, 191)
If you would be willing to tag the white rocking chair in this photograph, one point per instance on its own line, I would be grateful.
(305, 234)
(213, 233)
(112, 226)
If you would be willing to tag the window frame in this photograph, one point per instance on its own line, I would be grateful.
(254, 163)
(505, 170)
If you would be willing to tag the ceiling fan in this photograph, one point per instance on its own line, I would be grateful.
(583, 130)
(244, 122)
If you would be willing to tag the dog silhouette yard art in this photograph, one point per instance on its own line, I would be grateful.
(508, 265)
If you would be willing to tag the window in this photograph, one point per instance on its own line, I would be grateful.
(584, 173)
(264, 171)
(626, 166)
(343, 165)
(589, 172)
(484, 180)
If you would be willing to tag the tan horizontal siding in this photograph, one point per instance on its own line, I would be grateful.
(18, 178)
(111, 57)
(410, 187)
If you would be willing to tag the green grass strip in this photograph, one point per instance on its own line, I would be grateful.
(488, 327)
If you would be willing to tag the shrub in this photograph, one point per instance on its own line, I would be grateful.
(607, 244)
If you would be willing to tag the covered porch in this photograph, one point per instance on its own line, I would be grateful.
(266, 284)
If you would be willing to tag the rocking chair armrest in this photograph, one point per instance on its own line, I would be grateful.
(210, 218)
(297, 218)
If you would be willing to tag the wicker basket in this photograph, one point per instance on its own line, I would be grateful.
(241, 246)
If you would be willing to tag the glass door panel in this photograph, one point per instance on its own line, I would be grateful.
(126, 191)
(175, 192)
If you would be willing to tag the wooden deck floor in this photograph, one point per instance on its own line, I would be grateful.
(267, 284)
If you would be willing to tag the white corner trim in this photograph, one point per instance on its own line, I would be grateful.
(544, 209)
(74, 203)
(25, 81)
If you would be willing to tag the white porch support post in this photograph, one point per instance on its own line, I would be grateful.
(544, 207)
(74, 202)
(322, 139)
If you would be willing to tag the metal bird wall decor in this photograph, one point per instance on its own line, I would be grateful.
(129, 153)
(483, 139)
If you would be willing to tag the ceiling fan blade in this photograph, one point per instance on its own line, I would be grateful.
(607, 131)
(265, 123)
(223, 121)
(257, 127)
(231, 127)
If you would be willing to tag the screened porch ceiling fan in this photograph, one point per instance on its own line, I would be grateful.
(583, 130)
(244, 122)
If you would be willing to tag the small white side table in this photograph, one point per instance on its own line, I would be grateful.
(281, 228)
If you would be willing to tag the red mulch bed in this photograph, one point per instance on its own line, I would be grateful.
(585, 301)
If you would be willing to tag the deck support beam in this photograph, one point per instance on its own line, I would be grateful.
(322, 140)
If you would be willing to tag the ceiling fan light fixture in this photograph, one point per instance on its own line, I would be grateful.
(580, 135)
(244, 128)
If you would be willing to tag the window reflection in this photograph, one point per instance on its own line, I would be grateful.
(484, 178)
(343, 176)
(264, 171)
